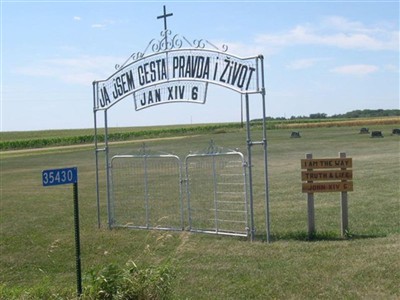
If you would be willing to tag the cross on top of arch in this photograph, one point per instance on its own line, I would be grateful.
(169, 41)
(165, 16)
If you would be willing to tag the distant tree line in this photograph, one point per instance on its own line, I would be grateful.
(365, 113)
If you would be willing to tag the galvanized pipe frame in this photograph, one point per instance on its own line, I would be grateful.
(250, 143)
(218, 230)
(96, 154)
(250, 167)
(216, 220)
(145, 158)
(265, 147)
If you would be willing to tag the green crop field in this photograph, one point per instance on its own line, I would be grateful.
(37, 224)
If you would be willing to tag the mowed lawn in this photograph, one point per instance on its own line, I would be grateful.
(37, 223)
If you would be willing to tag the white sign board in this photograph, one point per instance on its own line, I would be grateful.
(177, 75)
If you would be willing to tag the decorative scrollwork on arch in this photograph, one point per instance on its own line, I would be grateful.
(199, 43)
(168, 41)
(155, 45)
(177, 42)
(224, 47)
(137, 55)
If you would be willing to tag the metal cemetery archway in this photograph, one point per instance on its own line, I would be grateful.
(180, 70)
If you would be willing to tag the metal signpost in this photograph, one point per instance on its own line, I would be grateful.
(68, 176)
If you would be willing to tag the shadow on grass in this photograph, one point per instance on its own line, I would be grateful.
(320, 236)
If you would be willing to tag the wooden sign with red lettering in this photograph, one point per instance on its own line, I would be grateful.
(327, 163)
(323, 187)
(322, 181)
(326, 175)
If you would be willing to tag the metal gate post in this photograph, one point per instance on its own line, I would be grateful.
(249, 144)
(96, 153)
(108, 186)
(267, 213)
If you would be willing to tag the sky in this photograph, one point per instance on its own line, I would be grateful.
(320, 57)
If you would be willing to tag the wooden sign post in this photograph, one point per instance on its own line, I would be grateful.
(327, 175)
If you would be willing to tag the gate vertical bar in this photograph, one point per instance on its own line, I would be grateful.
(215, 194)
(188, 193)
(267, 212)
(107, 169)
(181, 181)
(246, 204)
(146, 187)
(249, 144)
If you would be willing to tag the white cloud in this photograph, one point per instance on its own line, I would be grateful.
(392, 68)
(304, 63)
(355, 69)
(76, 18)
(80, 70)
(336, 32)
(342, 24)
(103, 24)
(242, 49)
(98, 25)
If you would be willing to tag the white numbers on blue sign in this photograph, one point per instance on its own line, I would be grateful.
(59, 176)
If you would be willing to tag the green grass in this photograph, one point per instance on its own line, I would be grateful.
(37, 233)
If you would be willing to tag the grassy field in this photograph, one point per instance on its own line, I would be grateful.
(37, 232)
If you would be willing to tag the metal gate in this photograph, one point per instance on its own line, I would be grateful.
(217, 193)
(147, 192)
